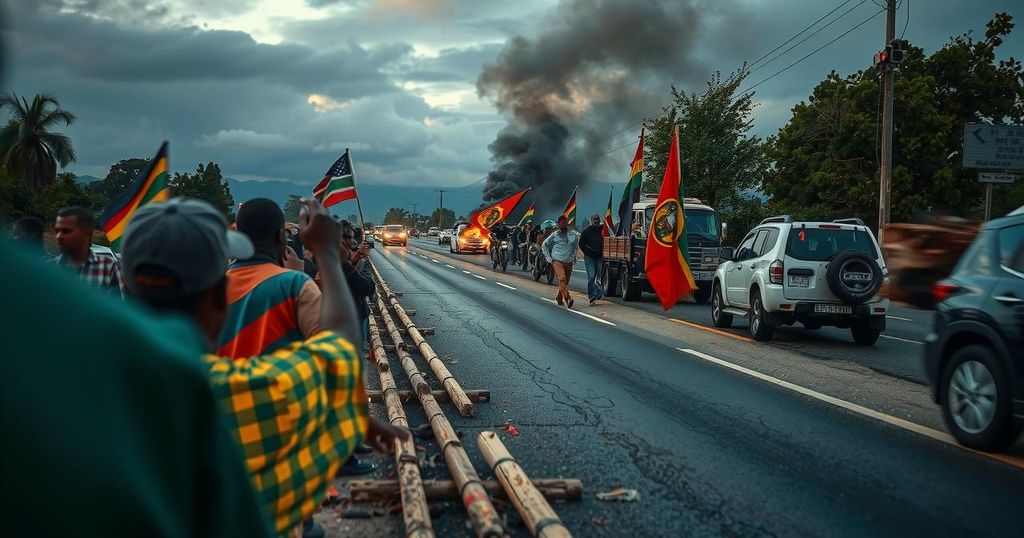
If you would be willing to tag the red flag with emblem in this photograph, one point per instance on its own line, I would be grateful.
(665, 261)
(489, 216)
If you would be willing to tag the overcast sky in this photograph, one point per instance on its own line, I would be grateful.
(276, 89)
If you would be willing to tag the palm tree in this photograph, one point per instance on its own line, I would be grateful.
(27, 148)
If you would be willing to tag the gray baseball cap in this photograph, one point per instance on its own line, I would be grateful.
(182, 247)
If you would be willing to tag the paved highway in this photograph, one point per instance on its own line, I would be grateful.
(807, 436)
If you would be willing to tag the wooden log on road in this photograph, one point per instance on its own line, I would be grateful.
(415, 512)
(535, 510)
(482, 514)
(478, 396)
(559, 489)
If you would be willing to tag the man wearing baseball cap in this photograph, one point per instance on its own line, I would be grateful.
(298, 412)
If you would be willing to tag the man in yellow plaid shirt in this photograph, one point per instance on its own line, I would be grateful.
(297, 413)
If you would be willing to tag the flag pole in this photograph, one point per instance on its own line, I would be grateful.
(362, 224)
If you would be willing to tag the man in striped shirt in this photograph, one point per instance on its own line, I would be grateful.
(74, 229)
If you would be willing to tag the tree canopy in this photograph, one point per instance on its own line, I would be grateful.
(28, 147)
(208, 184)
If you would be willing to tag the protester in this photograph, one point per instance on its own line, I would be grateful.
(298, 412)
(560, 249)
(74, 229)
(514, 245)
(27, 233)
(523, 239)
(592, 245)
(110, 425)
(358, 279)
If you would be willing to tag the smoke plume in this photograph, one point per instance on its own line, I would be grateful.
(594, 67)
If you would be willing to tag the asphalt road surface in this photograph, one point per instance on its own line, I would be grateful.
(809, 435)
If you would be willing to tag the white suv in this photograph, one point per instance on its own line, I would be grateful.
(817, 273)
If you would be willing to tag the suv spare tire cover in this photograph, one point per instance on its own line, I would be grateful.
(854, 276)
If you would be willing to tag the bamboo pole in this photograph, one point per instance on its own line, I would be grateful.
(559, 489)
(538, 515)
(415, 511)
(455, 392)
(479, 396)
(478, 504)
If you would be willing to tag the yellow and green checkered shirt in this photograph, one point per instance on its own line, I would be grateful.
(298, 414)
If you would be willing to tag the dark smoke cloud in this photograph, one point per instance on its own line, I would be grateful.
(594, 67)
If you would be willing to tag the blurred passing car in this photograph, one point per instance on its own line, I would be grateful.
(444, 237)
(974, 357)
(469, 239)
(394, 234)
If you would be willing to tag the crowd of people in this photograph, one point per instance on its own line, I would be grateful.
(206, 381)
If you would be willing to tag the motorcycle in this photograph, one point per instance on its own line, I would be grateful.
(542, 267)
(525, 256)
(499, 256)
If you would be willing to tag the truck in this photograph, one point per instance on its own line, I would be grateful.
(623, 268)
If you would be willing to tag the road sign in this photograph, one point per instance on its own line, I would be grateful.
(996, 178)
(998, 147)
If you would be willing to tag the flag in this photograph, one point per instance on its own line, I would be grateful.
(631, 194)
(609, 226)
(528, 216)
(570, 209)
(493, 214)
(338, 183)
(149, 186)
(666, 259)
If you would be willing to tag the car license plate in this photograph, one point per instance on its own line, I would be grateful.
(832, 309)
(798, 281)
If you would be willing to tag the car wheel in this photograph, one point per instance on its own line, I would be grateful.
(610, 281)
(975, 399)
(864, 335)
(719, 317)
(701, 295)
(760, 329)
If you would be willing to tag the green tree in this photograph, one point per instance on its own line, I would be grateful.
(208, 184)
(718, 156)
(826, 157)
(292, 207)
(120, 177)
(64, 192)
(396, 215)
(27, 146)
(442, 218)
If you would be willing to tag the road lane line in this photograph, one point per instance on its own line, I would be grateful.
(505, 285)
(578, 313)
(449, 266)
(435, 261)
(899, 318)
(901, 339)
(855, 408)
(477, 276)
(467, 272)
(711, 330)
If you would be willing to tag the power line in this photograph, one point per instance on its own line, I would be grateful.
(904, 32)
(812, 34)
(796, 35)
(812, 53)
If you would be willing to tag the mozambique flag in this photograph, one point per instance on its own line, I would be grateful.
(609, 227)
(570, 209)
(528, 216)
(491, 215)
(665, 262)
(149, 186)
(338, 183)
(631, 194)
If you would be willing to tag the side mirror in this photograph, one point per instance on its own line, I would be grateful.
(726, 253)
(725, 230)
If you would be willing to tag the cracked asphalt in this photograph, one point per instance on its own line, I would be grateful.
(712, 452)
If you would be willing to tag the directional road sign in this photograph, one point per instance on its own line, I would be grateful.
(995, 147)
(988, 177)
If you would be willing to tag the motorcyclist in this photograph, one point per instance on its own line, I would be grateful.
(513, 242)
(523, 241)
(498, 234)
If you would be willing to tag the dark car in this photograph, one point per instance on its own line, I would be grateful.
(974, 358)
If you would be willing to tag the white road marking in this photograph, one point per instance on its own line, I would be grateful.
(859, 409)
(578, 271)
(584, 314)
(467, 272)
(899, 318)
(902, 339)
(435, 261)
(477, 276)
(505, 285)
(449, 266)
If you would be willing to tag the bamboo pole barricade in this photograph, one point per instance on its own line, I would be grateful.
(477, 396)
(538, 515)
(482, 514)
(415, 512)
(559, 489)
(455, 393)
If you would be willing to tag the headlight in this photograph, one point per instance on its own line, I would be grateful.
(404, 234)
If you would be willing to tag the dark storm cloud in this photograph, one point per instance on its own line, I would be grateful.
(451, 64)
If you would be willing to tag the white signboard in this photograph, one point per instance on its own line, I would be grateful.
(999, 147)
(996, 178)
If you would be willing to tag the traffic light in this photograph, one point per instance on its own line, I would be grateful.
(889, 56)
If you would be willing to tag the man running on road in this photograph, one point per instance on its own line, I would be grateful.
(592, 244)
(560, 249)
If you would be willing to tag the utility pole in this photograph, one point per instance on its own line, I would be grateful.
(440, 206)
(888, 80)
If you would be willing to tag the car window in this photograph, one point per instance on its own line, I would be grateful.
(769, 242)
(1011, 247)
(393, 228)
(822, 244)
(978, 256)
(759, 243)
(745, 245)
